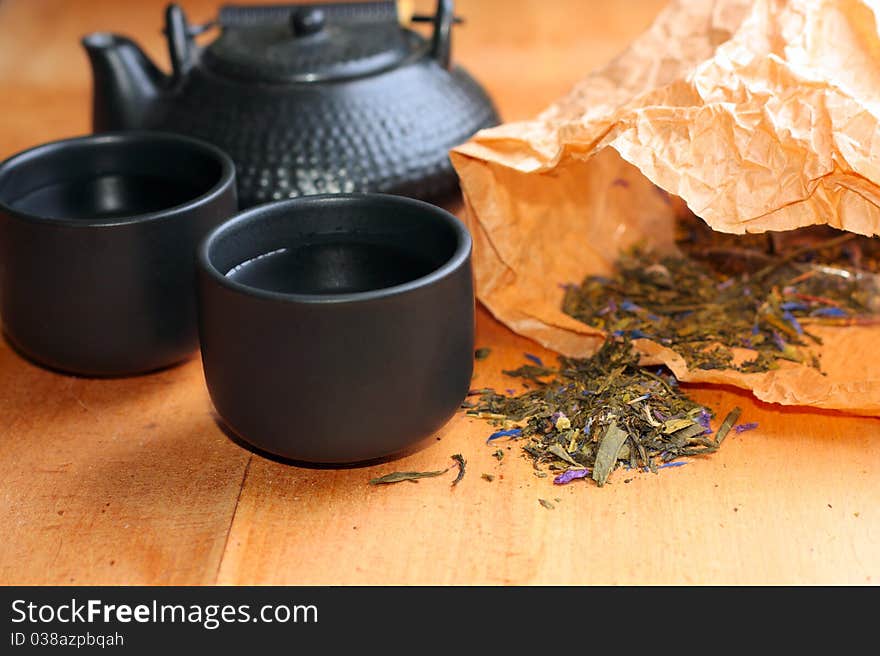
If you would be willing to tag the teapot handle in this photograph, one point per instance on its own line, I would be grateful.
(180, 41)
(441, 41)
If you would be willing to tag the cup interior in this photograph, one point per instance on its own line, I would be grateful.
(335, 245)
(109, 177)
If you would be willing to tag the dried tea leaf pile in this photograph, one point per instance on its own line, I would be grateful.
(589, 416)
(728, 292)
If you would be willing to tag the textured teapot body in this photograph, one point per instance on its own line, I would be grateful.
(389, 131)
(386, 133)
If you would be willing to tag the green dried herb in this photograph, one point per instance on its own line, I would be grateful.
(487, 477)
(482, 353)
(461, 462)
(733, 292)
(412, 477)
(559, 452)
(606, 455)
(546, 504)
(599, 413)
(731, 418)
(498, 454)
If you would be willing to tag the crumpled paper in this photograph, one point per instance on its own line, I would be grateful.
(758, 115)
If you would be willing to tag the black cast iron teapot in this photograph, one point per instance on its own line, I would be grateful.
(305, 98)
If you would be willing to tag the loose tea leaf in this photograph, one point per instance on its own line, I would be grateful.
(734, 292)
(591, 415)
(727, 424)
(546, 504)
(498, 454)
(560, 453)
(606, 457)
(461, 462)
(685, 434)
(487, 477)
(413, 476)
(674, 425)
(482, 353)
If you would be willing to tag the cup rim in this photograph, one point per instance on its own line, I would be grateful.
(127, 138)
(267, 211)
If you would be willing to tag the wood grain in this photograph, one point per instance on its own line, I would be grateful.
(132, 481)
(112, 482)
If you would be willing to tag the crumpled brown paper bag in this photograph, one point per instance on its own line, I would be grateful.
(760, 116)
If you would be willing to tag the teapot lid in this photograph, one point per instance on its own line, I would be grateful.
(304, 45)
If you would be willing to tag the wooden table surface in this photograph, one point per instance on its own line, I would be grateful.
(132, 481)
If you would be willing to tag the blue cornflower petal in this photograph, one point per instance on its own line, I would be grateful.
(780, 343)
(510, 432)
(742, 428)
(828, 312)
(569, 475)
(789, 317)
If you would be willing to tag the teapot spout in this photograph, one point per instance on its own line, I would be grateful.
(128, 87)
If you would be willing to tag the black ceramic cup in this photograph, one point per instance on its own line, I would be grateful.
(338, 328)
(98, 236)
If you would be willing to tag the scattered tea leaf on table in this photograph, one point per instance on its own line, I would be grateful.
(727, 424)
(562, 422)
(546, 504)
(413, 477)
(482, 353)
(461, 462)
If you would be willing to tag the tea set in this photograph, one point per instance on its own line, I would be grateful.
(306, 100)
(271, 201)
